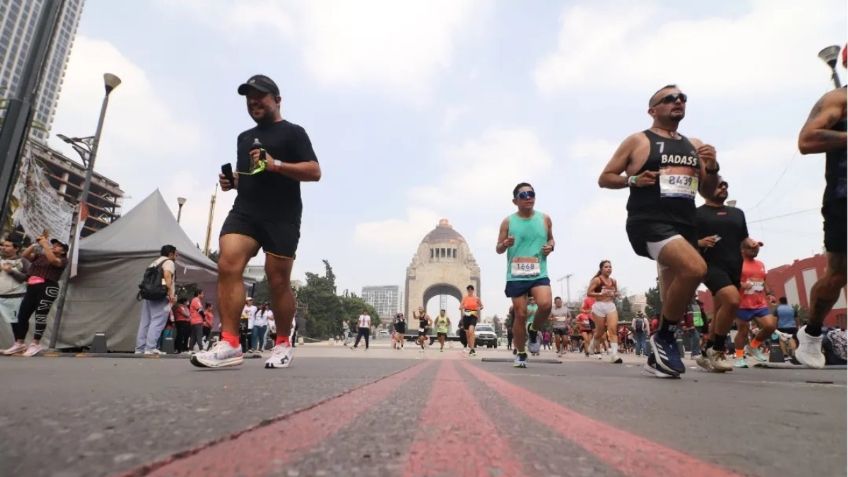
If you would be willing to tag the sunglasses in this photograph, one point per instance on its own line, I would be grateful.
(672, 98)
(527, 194)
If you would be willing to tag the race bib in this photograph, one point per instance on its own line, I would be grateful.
(756, 287)
(525, 267)
(678, 182)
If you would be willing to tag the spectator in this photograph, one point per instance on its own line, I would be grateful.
(244, 323)
(364, 327)
(13, 277)
(154, 313)
(195, 310)
(639, 325)
(208, 319)
(260, 327)
(182, 322)
(510, 319)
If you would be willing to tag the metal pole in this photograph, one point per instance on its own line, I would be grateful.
(179, 212)
(16, 124)
(83, 198)
(209, 223)
(568, 286)
(835, 77)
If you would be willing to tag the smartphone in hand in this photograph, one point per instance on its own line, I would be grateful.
(227, 170)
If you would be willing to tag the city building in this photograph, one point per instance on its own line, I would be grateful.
(638, 303)
(384, 299)
(67, 177)
(18, 20)
(794, 281)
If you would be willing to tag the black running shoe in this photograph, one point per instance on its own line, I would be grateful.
(652, 369)
(666, 354)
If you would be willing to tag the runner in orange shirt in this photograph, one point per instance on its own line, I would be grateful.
(470, 310)
(753, 305)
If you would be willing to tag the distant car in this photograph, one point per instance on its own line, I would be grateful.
(383, 333)
(484, 335)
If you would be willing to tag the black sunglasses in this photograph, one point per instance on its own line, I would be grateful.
(527, 194)
(671, 98)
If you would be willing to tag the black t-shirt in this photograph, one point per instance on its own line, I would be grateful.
(269, 195)
(678, 164)
(729, 224)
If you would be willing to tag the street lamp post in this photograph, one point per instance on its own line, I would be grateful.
(830, 55)
(567, 279)
(87, 149)
(181, 202)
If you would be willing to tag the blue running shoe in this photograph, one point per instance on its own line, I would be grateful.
(666, 354)
(652, 369)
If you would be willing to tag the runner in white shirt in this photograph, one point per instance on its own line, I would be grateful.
(364, 325)
(559, 323)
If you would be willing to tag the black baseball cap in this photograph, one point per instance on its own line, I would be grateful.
(260, 83)
(63, 244)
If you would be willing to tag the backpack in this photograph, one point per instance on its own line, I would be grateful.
(639, 324)
(152, 286)
(834, 344)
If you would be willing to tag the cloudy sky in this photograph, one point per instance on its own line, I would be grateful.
(436, 109)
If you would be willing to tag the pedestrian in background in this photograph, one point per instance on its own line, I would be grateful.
(260, 327)
(208, 319)
(195, 309)
(154, 313)
(364, 327)
(13, 278)
(182, 322)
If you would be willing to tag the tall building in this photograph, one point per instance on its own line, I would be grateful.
(384, 299)
(18, 20)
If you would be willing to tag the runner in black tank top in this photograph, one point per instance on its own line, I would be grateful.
(664, 171)
(825, 131)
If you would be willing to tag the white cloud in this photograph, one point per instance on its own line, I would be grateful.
(392, 236)
(484, 170)
(768, 49)
(398, 48)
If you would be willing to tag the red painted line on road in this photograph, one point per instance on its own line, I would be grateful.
(265, 448)
(445, 446)
(628, 453)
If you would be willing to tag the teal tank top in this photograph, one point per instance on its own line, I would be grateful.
(525, 261)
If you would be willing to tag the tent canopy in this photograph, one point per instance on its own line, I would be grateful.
(102, 297)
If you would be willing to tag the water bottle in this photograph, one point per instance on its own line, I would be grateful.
(257, 144)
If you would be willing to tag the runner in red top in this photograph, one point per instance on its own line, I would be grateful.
(584, 323)
(753, 305)
(470, 310)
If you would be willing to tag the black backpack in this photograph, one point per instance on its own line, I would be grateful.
(151, 286)
(639, 324)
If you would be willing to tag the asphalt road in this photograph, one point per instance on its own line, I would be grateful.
(388, 413)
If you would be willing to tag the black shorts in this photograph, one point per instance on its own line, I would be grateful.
(641, 232)
(275, 238)
(439, 335)
(516, 288)
(560, 331)
(719, 277)
(401, 328)
(422, 331)
(468, 320)
(834, 212)
(789, 331)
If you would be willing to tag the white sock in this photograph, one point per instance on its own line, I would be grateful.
(614, 348)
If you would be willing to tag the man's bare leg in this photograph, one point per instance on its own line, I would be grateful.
(278, 270)
(236, 250)
(825, 292)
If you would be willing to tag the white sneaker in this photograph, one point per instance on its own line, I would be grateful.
(714, 361)
(33, 349)
(15, 349)
(809, 352)
(756, 353)
(154, 352)
(221, 355)
(616, 359)
(281, 356)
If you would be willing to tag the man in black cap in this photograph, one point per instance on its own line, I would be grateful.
(273, 158)
(46, 266)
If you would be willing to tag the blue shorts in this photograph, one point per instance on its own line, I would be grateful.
(748, 315)
(518, 288)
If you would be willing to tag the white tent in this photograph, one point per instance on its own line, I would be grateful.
(102, 297)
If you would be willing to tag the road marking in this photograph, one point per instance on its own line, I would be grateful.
(628, 453)
(444, 446)
(268, 447)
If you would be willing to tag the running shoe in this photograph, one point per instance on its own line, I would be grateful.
(740, 363)
(616, 359)
(33, 349)
(714, 361)
(220, 356)
(15, 349)
(535, 344)
(281, 356)
(652, 369)
(472, 353)
(666, 354)
(155, 352)
(809, 351)
(520, 361)
(756, 353)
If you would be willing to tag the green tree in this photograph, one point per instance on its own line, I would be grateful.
(652, 299)
(626, 311)
(323, 309)
(352, 307)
